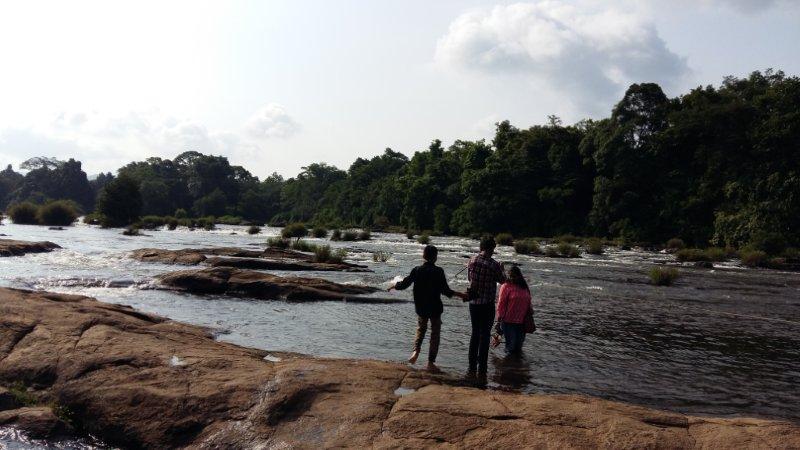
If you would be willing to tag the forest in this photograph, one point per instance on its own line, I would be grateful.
(716, 166)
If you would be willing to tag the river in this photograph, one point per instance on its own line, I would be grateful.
(723, 341)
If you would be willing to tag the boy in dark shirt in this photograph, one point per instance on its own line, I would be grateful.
(429, 284)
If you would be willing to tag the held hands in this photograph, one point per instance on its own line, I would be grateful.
(462, 295)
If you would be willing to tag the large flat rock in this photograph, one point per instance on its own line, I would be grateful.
(10, 247)
(142, 381)
(260, 285)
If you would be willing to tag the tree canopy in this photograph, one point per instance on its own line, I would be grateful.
(717, 165)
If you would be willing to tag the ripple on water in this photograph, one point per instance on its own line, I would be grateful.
(722, 342)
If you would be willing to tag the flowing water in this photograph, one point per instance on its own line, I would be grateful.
(722, 341)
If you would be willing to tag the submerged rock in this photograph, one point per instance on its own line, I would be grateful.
(112, 367)
(249, 283)
(10, 247)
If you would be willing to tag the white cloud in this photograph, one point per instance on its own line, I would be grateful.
(748, 6)
(590, 56)
(271, 121)
(105, 143)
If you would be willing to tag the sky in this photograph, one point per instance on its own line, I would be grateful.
(277, 85)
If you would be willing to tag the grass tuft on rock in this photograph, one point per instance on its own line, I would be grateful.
(663, 276)
(254, 230)
(278, 242)
(324, 254)
(381, 256)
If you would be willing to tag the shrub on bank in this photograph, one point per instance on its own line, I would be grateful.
(568, 250)
(527, 247)
(336, 235)
(172, 223)
(24, 213)
(319, 232)
(594, 246)
(504, 239)
(181, 213)
(754, 258)
(230, 220)
(663, 276)
(253, 229)
(567, 238)
(93, 219)
(152, 222)
(424, 239)
(57, 213)
(712, 254)
(772, 244)
(294, 230)
(551, 252)
(675, 244)
(364, 235)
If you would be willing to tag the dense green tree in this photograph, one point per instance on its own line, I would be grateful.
(120, 202)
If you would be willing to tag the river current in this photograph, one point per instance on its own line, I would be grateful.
(722, 341)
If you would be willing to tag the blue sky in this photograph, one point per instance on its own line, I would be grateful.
(277, 85)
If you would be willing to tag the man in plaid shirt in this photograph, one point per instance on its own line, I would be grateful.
(484, 273)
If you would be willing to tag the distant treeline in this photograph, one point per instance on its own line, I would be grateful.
(717, 165)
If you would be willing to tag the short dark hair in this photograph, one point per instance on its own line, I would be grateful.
(430, 253)
(488, 243)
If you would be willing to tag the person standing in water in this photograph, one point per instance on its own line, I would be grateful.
(483, 273)
(513, 304)
(429, 285)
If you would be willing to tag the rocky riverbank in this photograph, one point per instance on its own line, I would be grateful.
(10, 247)
(138, 380)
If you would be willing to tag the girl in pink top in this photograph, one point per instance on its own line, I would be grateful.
(513, 303)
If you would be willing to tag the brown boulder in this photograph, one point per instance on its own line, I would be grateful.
(10, 247)
(248, 283)
(194, 256)
(36, 422)
(141, 381)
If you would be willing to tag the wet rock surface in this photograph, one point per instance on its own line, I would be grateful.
(249, 283)
(268, 259)
(37, 422)
(138, 380)
(11, 247)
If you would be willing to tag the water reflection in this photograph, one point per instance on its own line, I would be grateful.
(511, 372)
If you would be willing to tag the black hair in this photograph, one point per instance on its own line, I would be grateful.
(515, 276)
(488, 243)
(430, 253)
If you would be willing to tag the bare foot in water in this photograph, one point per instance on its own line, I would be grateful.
(431, 367)
(414, 356)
